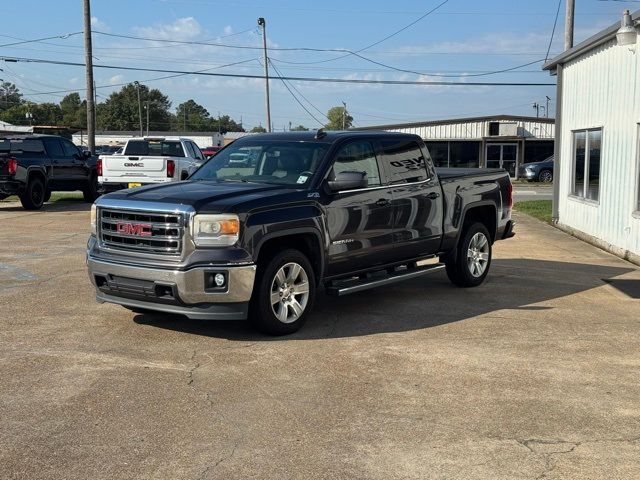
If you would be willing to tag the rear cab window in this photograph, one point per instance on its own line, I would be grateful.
(404, 161)
(154, 148)
(27, 146)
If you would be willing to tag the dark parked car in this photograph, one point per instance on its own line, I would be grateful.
(346, 210)
(537, 171)
(32, 166)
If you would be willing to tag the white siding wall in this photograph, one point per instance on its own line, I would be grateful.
(600, 89)
(476, 130)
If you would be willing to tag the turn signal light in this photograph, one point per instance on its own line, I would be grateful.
(99, 167)
(12, 166)
(171, 168)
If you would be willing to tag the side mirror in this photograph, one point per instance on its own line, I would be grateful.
(348, 181)
(86, 154)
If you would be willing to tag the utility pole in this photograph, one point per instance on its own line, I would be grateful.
(569, 22)
(548, 100)
(148, 107)
(263, 24)
(88, 54)
(137, 84)
(536, 107)
(344, 115)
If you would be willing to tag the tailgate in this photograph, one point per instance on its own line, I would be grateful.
(114, 166)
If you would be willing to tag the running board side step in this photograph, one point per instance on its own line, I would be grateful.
(347, 287)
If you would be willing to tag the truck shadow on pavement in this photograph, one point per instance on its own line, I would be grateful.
(59, 206)
(512, 284)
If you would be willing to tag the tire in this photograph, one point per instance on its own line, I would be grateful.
(545, 176)
(275, 278)
(473, 258)
(90, 192)
(33, 196)
(47, 195)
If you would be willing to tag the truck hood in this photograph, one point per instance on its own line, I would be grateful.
(202, 195)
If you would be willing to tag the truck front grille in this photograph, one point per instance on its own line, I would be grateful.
(156, 233)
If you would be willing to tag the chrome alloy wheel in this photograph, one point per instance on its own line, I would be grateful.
(478, 254)
(546, 176)
(289, 292)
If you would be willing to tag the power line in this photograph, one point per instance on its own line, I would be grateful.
(296, 98)
(299, 92)
(553, 32)
(302, 79)
(63, 36)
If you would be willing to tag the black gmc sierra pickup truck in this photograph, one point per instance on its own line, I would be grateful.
(32, 166)
(259, 227)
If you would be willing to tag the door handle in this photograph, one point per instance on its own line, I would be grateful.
(383, 202)
(433, 195)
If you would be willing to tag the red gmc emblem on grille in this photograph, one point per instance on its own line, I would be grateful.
(138, 229)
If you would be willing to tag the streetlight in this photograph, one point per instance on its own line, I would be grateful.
(627, 33)
(137, 84)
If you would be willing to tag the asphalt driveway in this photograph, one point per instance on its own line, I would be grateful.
(533, 375)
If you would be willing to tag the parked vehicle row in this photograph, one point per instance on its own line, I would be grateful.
(32, 166)
(259, 227)
(149, 160)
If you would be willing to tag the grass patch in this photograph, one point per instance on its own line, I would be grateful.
(55, 197)
(540, 209)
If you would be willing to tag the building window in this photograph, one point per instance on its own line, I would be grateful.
(537, 150)
(585, 181)
(464, 154)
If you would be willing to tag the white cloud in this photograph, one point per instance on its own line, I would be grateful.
(228, 30)
(98, 24)
(115, 79)
(186, 28)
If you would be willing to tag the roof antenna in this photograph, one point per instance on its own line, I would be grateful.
(320, 133)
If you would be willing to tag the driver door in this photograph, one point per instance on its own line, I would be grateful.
(359, 221)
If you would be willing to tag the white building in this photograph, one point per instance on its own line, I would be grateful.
(597, 171)
(202, 139)
(498, 141)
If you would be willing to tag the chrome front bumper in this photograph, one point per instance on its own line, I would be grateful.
(174, 291)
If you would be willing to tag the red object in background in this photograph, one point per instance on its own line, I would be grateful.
(210, 151)
(12, 166)
(171, 168)
(99, 167)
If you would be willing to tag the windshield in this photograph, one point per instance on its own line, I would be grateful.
(277, 162)
(155, 148)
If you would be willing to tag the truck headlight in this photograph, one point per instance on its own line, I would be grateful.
(93, 219)
(215, 230)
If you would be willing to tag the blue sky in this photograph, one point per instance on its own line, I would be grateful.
(463, 37)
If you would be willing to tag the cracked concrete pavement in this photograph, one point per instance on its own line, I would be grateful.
(533, 375)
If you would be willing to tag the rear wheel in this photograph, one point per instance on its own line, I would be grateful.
(284, 293)
(473, 258)
(47, 195)
(545, 176)
(34, 194)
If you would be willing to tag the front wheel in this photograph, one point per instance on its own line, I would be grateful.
(473, 258)
(545, 176)
(90, 191)
(284, 293)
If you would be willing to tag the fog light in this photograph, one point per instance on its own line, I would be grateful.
(219, 279)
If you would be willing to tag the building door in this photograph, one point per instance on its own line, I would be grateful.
(502, 155)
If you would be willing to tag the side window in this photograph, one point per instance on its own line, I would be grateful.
(358, 157)
(404, 161)
(54, 149)
(585, 182)
(189, 150)
(70, 150)
(196, 150)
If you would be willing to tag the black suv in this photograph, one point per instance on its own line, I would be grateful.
(32, 166)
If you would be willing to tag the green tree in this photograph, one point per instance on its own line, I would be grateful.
(227, 124)
(300, 128)
(10, 96)
(74, 111)
(41, 114)
(120, 111)
(191, 116)
(339, 119)
(258, 129)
